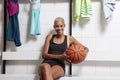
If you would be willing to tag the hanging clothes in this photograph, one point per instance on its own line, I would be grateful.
(12, 7)
(86, 8)
(35, 17)
(13, 32)
(82, 8)
(108, 8)
(76, 13)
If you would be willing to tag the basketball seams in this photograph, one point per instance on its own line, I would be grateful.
(76, 54)
(73, 58)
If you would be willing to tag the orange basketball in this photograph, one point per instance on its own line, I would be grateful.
(76, 53)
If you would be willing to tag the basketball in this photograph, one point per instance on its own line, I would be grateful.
(76, 54)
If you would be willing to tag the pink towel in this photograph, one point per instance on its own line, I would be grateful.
(12, 7)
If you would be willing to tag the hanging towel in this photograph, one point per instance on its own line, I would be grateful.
(108, 8)
(76, 13)
(86, 9)
(13, 33)
(35, 17)
(12, 7)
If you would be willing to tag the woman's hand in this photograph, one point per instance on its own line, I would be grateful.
(66, 57)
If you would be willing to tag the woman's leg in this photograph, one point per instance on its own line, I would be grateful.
(57, 71)
(46, 73)
(41, 75)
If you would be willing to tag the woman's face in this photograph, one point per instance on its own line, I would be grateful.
(59, 27)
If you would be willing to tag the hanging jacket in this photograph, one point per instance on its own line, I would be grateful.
(13, 33)
(108, 8)
(82, 8)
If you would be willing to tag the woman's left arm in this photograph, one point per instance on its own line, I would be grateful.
(73, 41)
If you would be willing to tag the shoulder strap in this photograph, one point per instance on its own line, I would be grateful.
(51, 35)
(68, 41)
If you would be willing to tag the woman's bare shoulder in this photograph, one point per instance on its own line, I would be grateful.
(49, 36)
(71, 37)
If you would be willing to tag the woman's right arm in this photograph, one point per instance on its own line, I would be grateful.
(46, 45)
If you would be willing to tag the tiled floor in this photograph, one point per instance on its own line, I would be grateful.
(36, 77)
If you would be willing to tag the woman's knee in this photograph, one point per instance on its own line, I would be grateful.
(57, 71)
(45, 66)
(46, 72)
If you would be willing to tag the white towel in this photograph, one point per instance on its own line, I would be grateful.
(35, 4)
(108, 8)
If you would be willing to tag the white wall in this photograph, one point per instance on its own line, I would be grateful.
(101, 38)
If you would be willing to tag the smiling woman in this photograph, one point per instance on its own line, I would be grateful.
(54, 49)
(59, 25)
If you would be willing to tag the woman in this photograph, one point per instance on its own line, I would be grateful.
(54, 49)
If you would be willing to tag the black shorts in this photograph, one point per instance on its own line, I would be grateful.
(54, 62)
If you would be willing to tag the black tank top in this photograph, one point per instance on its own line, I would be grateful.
(55, 48)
